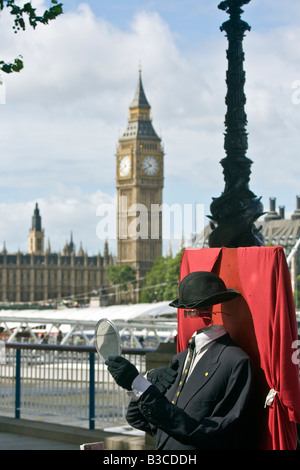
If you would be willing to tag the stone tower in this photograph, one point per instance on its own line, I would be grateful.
(139, 182)
(36, 234)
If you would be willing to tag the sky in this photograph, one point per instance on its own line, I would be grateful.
(62, 115)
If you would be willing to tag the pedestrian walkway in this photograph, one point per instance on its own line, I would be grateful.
(24, 434)
(12, 441)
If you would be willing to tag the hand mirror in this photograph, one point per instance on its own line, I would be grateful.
(107, 339)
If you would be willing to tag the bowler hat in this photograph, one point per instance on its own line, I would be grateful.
(202, 289)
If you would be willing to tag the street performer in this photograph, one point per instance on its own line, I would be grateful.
(201, 401)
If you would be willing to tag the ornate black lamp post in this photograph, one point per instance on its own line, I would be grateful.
(233, 214)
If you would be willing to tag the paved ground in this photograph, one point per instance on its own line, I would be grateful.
(28, 434)
(11, 441)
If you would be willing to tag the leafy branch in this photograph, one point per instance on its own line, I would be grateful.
(20, 13)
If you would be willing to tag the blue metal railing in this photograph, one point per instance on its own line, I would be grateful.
(92, 416)
(18, 384)
(70, 381)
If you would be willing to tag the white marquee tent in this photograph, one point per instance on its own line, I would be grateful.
(152, 316)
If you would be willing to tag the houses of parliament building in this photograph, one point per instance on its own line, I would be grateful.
(42, 276)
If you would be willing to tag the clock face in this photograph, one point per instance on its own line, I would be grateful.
(150, 165)
(125, 166)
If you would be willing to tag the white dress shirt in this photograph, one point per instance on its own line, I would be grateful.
(203, 340)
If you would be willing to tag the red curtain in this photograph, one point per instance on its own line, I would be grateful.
(263, 322)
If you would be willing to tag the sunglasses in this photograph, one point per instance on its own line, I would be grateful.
(194, 312)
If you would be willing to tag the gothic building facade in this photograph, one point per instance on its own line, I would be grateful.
(139, 181)
(43, 276)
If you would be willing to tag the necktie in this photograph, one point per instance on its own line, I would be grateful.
(185, 371)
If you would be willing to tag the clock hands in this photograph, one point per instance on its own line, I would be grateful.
(150, 166)
(125, 165)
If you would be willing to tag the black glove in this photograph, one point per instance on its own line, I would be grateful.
(163, 377)
(122, 371)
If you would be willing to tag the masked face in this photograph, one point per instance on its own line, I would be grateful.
(198, 312)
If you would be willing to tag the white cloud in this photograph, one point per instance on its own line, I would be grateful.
(273, 66)
(63, 213)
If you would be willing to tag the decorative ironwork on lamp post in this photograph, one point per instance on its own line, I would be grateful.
(233, 214)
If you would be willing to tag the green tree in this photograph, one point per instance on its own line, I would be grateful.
(20, 14)
(121, 276)
(155, 281)
(297, 292)
(162, 280)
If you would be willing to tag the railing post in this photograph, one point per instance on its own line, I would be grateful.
(18, 384)
(92, 392)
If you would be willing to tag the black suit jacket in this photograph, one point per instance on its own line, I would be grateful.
(212, 411)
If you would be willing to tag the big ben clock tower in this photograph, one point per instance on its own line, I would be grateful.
(139, 185)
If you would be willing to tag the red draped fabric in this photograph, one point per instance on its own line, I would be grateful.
(263, 322)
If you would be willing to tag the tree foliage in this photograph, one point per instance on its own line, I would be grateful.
(20, 14)
(163, 279)
(121, 276)
(297, 292)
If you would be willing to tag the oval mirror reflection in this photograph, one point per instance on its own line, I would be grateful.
(107, 339)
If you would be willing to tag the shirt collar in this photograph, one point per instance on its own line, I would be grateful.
(207, 335)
